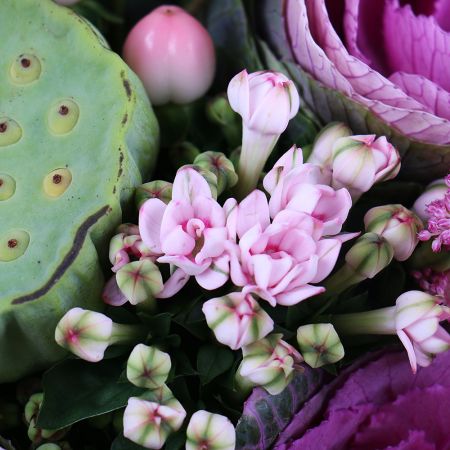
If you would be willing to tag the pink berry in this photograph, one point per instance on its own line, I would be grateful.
(173, 54)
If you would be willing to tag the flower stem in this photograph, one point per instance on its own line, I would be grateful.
(125, 334)
(341, 280)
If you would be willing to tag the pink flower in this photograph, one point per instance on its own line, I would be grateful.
(190, 231)
(435, 283)
(173, 55)
(361, 161)
(434, 191)
(266, 102)
(438, 222)
(277, 261)
(417, 317)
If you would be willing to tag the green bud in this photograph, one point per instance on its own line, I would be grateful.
(154, 189)
(319, 344)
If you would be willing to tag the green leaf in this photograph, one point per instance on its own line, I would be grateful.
(213, 361)
(75, 389)
(158, 325)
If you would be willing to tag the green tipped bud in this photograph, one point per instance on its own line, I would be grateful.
(149, 423)
(268, 363)
(159, 189)
(398, 225)
(210, 431)
(369, 255)
(139, 281)
(88, 334)
(221, 167)
(31, 412)
(322, 149)
(148, 367)
(319, 344)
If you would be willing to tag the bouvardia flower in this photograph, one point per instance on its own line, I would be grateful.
(190, 231)
(266, 102)
(237, 319)
(269, 362)
(207, 431)
(149, 424)
(148, 367)
(398, 225)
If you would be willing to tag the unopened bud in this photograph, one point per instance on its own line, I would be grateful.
(159, 189)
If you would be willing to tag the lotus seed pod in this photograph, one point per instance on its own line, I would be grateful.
(139, 281)
(154, 189)
(319, 344)
(173, 54)
(148, 367)
(77, 135)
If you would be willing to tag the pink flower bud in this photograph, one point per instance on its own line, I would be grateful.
(269, 363)
(207, 431)
(398, 225)
(173, 55)
(434, 191)
(417, 317)
(266, 102)
(236, 319)
(361, 161)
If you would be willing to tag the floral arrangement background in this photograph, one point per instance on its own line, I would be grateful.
(282, 281)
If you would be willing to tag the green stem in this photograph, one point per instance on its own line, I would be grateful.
(126, 334)
(341, 280)
(378, 321)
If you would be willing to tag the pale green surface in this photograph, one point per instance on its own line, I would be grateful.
(111, 144)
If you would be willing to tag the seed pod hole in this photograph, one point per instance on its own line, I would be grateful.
(7, 186)
(63, 116)
(57, 182)
(10, 131)
(25, 69)
(13, 244)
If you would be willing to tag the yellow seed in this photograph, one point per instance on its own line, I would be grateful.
(10, 131)
(13, 244)
(7, 186)
(25, 69)
(57, 182)
(63, 116)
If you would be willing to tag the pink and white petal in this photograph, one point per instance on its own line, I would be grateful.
(297, 295)
(438, 343)
(422, 329)
(178, 242)
(150, 219)
(230, 208)
(328, 253)
(253, 210)
(237, 274)
(239, 95)
(178, 212)
(112, 295)
(344, 237)
(305, 199)
(189, 184)
(264, 294)
(186, 264)
(209, 211)
(174, 284)
(216, 275)
(409, 349)
(214, 244)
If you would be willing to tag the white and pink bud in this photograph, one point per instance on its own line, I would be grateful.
(361, 161)
(88, 334)
(159, 189)
(398, 225)
(148, 367)
(319, 344)
(139, 281)
(266, 101)
(417, 318)
(434, 191)
(269, 363)
(322, 150)
(208, 431)
(173, 55)
(237, 319)
(149, 424)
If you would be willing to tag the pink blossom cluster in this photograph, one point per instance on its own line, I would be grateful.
(434, 282)
(438, 228)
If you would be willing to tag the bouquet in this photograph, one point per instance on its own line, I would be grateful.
(276, 282)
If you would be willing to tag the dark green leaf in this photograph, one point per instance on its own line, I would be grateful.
(212, 361)
(158, 325)
(75, 389)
